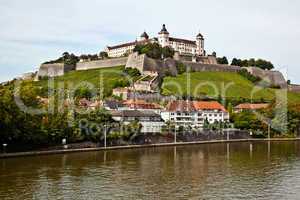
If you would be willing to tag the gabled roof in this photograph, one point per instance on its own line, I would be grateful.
(182, 106)
(251, 106)
(182, 41)
(141, 104)
(208, 105)
(127, 44)
(134, 113)
(189, 106)
(112, 104)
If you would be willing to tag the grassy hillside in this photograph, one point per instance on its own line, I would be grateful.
(106, 79)
(212, 84)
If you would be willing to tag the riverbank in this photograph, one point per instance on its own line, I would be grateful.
(38, 153)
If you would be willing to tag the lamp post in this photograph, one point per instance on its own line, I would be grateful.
(105, 136)
(64, 143)
(175, 136)
(4, 147)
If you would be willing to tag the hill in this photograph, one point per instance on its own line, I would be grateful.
(105, 78)
(212, 84)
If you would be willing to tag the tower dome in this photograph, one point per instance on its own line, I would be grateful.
(200, 36)
(144, 36)
(164, 30)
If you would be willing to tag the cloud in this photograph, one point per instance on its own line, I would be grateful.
(34, 31)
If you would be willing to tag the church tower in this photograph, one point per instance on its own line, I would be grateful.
(163, 37)
(200, 45)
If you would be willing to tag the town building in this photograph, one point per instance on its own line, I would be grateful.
(142, 105)
(182, 46)
(250, 107)
(151, 122)
(194, 113)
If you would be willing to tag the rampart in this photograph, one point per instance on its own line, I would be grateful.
(294, 88)
(163, 67)
(273, 77)
(55, 69)
(101, 63)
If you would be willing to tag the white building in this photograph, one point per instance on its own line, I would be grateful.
(183, 46)
(194, 113)
(151, 122)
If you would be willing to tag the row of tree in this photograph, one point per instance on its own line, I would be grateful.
(71, 59)
(260, 63)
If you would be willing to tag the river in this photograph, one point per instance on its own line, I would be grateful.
(258, 170)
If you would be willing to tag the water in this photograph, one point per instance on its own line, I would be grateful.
(214, 171)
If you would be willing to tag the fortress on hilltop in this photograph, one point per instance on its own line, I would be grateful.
(182, 46)
(191, 53)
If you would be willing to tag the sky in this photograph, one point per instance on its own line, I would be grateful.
(34, 31)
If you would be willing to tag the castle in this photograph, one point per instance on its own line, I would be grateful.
(191, 53)
(182, 46)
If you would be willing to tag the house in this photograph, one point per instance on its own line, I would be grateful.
(194, 113)
(250, 107)
(85, 103)
(142, 106)
(123, 93)
(151, 122)
(113, 105)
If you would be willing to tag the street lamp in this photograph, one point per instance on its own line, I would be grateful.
(105, 130)
(175, 136)
(4, 147)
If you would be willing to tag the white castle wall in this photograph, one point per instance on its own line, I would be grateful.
(101, 63)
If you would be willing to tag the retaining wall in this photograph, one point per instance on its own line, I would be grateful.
(294, 88)
(55, 69)
(274, 77)
(101, 63)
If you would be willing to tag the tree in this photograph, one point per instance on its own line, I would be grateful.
(103, 54)
(154, 50)
(263, 64)
(181, 68)
(236, 62)
(222, 60)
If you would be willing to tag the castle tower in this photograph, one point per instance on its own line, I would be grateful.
(200, 45)
(163, 37)
(144, 36)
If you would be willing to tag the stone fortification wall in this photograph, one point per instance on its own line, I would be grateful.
(136, 61)
(199, 67)
(274, 77)
(55, 69)
(294, 88)
(101, 63)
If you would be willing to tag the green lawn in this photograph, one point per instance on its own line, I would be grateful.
(213, 84)
(106, 79)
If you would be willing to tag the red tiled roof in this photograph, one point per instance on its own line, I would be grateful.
(184, 106)
(141, 104)
(208, 105)
(250, 106)
(188, 106)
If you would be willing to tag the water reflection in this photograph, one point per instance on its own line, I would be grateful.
(265, 170)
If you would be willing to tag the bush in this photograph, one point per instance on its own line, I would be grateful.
(154, 50)
(249, 76)
(181, 68)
